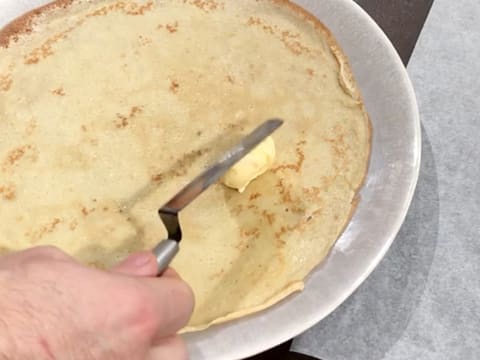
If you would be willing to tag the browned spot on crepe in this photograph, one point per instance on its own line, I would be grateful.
(58, 91)
(172, 28)
(36, 235)
(15, 155)
(7, 192)
(30, 127)
(205, 5)
(123, 121)
(289, 40)
(128, 8)
(269, 216)
(255, 196)
(5, 82)
(180, 167)
(296, 166)
(47, 47)
(174, 86)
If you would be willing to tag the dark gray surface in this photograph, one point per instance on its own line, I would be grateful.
(401, 20)
(422, 301)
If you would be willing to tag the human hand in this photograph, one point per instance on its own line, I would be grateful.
(52, 307)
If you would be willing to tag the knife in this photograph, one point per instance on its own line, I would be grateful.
(166, 249)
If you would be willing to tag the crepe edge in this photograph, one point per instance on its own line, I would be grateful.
(294, 286)
(351, 87)
(23, 25)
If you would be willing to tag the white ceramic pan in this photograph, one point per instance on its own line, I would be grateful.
(385, 197)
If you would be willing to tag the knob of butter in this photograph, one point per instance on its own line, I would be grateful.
(251, 166)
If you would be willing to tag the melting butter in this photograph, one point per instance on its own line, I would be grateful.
(254, 164)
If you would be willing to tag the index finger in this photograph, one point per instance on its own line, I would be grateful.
(143, 263)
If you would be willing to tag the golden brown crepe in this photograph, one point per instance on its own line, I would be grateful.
(107, 108)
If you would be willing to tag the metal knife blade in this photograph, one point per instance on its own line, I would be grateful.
(212, 174)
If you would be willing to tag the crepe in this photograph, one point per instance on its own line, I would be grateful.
(107, 108)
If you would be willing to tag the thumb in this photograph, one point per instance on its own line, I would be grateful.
(141, 263)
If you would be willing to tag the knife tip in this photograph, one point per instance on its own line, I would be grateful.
(275, 123)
